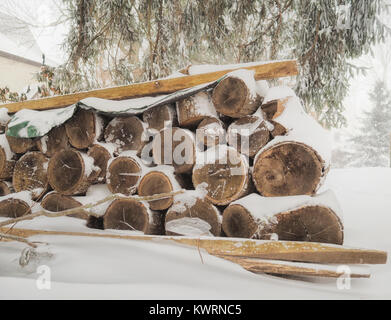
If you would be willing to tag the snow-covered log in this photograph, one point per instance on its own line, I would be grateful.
(225, 172)
(7, 158)
(249, 134)
(158, 117)
(297, 162)
(101, 153)
(5, 188)
(124, 173)
(192, 214)
(296, 218)
(71, 172)
(175, 147)
(57, 202)
(54, 141)
(16, 204)
(30, 173)
(210, 132)
(237, 94)
(192, 110)
(20, 145)
(130, 214)
(127, 133)
(84, 128)
(158, 181)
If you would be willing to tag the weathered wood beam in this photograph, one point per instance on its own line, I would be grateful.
(163, 86)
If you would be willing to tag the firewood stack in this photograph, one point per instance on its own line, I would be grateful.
(248, 159)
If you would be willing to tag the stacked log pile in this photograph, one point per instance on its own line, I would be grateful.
(234, 150)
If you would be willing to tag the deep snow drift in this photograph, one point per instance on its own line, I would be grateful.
(109, 268)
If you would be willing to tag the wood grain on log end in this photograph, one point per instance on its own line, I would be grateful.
(287, 169)
(57, 202)
(82, 129)
(130, 214)
(30, 173)
(14, 208)
(54, 141)
(123, 175)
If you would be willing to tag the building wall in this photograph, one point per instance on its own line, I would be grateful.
(16, 75)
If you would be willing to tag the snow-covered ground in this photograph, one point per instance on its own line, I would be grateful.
(121, 269)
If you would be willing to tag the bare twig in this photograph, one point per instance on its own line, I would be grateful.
(16, 238)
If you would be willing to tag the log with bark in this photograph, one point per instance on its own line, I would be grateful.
(237, 94)
(127, 133)
(130, 214)
(14, 208)
(84, 128)
(210, 132)
(54, 141)
(192, 110)
(30, 173)
(71, 172)
(101, 153)
(158, 118)
(5, 188)
(191, 214)
(158, 181)
(176, 147)
(7, 159)
(249, 134)
(300, 218)
(57, 202)
(225, 172)
(124, 173)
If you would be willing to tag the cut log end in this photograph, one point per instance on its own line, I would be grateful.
(56, 202)
(233, 98)
(6, 165)
(210, 132)
(201, 209)
(238, 222)
(66, 173)
(54, 141)
(272, 179)
(5, 188)
(175, 146)
(159, 117)
(123, 175)
(82, 129)
(30, 173)
(130, 214)
(14, 208)
(248, 135)
(192, 110)
(21, 145)
(127, 133)
(101, 158)
(153, 183)
(227, 178)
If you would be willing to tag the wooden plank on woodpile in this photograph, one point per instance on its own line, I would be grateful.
(311, 252)
(161, 86)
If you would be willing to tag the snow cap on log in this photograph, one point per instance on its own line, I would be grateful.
(295, 218)
(101, 153)
(95, 193)
(4, 119)
(193, 215)
(236, 95)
